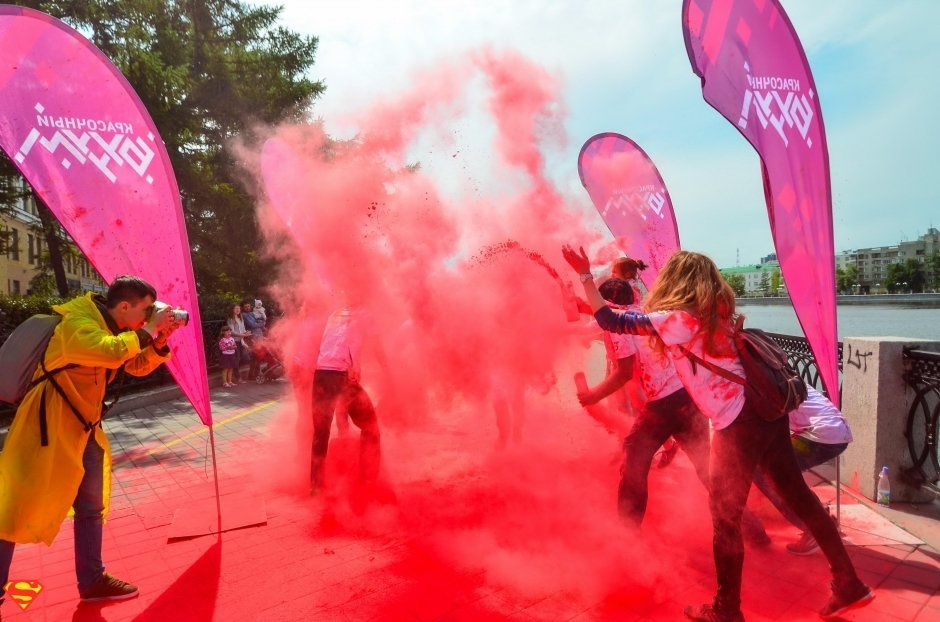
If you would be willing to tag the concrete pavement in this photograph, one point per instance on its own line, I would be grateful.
(421, 549)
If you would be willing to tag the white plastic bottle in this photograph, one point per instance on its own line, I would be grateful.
(884, 488)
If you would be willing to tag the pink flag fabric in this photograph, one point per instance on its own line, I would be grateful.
(82, 138)
(755, 73)
(631, 197)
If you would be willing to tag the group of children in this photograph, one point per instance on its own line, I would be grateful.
(690, 308)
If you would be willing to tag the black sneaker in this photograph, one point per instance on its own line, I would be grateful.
(708, 613)
(806, 545)
(856, 595)
(109, 588)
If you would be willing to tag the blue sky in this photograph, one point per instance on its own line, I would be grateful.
(624, 69)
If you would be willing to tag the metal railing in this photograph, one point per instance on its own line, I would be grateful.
(922, 375)
(802, 359)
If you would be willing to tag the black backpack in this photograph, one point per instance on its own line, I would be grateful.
(770, 382)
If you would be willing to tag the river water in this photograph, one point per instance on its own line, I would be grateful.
(853, 321)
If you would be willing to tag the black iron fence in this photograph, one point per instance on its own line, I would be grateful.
(922, 375)
(802, 359)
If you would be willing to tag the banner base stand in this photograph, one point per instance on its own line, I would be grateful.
(201, 518)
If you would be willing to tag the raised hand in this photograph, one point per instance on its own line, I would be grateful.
(578, 260)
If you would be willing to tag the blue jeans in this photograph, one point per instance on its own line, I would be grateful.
(808, 454)
(89, 508)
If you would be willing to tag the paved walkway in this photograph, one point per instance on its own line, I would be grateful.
(458, 531)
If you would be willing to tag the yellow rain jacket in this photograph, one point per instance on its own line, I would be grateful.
(38, 483)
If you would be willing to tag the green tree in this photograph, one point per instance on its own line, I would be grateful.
(916, 275)
(11, 194)
(846, 279)
(905, 277)
(894, 277)
(775, 282)
(933, 269)
(765, 282)
(736, 281)
(851, 276)
(207, 71)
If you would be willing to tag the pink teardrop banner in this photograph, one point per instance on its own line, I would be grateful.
(631, 197)
(755, 73)
(79, 134)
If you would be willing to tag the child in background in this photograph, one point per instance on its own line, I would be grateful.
(227, 359)
(628, 269)
(260, 314)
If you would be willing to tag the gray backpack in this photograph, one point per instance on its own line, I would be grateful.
(21, 354)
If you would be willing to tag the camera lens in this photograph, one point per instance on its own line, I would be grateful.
(181, 316)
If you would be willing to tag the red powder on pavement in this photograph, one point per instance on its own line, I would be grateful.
(460, 272)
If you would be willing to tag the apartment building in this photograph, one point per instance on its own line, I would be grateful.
(872, 263)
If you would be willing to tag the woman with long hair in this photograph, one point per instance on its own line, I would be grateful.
(690, 307)
(234, 321)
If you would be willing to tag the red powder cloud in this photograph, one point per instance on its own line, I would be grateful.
(456, 271)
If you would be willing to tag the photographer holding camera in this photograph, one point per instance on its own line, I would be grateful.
(56, 453)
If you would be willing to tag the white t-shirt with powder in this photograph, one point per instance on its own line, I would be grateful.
(719, 399)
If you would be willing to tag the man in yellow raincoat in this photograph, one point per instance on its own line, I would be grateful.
(46, 468)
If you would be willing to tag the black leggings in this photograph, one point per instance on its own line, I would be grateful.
(736, 453)
(673, 415)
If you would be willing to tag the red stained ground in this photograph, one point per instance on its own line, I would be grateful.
(457, 531)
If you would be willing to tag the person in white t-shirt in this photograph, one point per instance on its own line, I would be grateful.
(691, 308)
(668, 409)
(819, 434)
(336, 381)
(668, 412)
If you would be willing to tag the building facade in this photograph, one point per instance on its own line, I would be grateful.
(759, 277)
(872, 263)
(26, 254)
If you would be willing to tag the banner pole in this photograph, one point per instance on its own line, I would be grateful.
(215, 478)
(839, 491)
